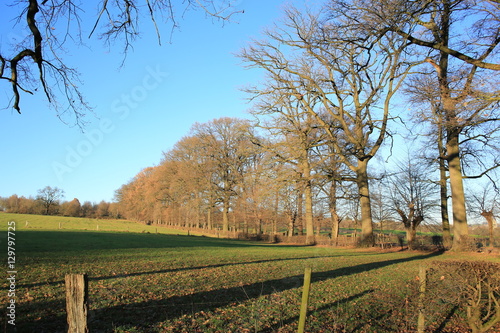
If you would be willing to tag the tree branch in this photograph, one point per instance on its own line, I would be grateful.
(452, 52)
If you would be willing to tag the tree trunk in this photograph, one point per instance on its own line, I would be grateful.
(490, 218)
(245, 223)
(309, 206)
(225, 216)
(276, 212)
(443, 189)
(209, 218)
(411, 235)
(335, 227)
(291, 223)
(367, 238)
(300, 214)
(332, 203)
(460, 227)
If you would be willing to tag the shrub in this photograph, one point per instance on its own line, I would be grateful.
(473, 286)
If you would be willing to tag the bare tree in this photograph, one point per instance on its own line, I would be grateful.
(486, 203)
(49, 197)
(193, 177)
(412, 196)
(353, 84)
(72, 208)
(295, 134)
(428, 114)
(329, 179)
(226, 141)
(37, 61)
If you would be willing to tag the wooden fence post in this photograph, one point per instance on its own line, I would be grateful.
(305, 300)
(77, 302)
(422, 275)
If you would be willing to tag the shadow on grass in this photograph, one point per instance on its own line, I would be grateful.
(146, 313)
(67, 241)
(328, 306)
(173, 270)
(448, 317)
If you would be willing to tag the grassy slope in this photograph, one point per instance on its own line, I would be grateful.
(143, 282)
(42, 222)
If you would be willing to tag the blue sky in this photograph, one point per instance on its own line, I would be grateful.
(140, 110)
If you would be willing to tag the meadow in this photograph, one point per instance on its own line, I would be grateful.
(148, 279)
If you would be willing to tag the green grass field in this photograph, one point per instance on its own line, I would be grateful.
(163, 282)
(64, 223)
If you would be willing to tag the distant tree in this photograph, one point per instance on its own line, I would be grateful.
(294, 133)
(137, 197)
(227, 142)
(427, 112)
(72, 208)
(87, 209)
(114, 210)
(192, 183)
(102, 209)
(12, 204)
(381, 205)
(36, 61)
(49, 198)
(412, 196)
(21, 205)
(257, 198)
(485, 201)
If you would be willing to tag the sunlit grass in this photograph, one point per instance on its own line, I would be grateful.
(42, 222)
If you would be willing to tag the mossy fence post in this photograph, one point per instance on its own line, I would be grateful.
(77, 286)
(305, 300)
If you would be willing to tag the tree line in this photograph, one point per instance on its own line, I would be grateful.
(341, 82)
(225, 175)
(48, 201)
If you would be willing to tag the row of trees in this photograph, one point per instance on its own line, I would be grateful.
(49, 201)
(226, 176)
(337, 81)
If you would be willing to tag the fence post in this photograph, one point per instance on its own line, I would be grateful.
(305, 300)
(422, 275)
(77, 302)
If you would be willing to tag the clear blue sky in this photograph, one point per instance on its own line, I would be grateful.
(141, 110)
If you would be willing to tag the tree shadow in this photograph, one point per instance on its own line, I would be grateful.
(173, 270)
(322, 308)
(143, 314)
(67, 241)
(447, 319)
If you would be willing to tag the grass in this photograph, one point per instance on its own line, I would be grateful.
(163, 282)
(43, 222)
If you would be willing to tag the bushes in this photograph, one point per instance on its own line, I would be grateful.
(470, 289)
